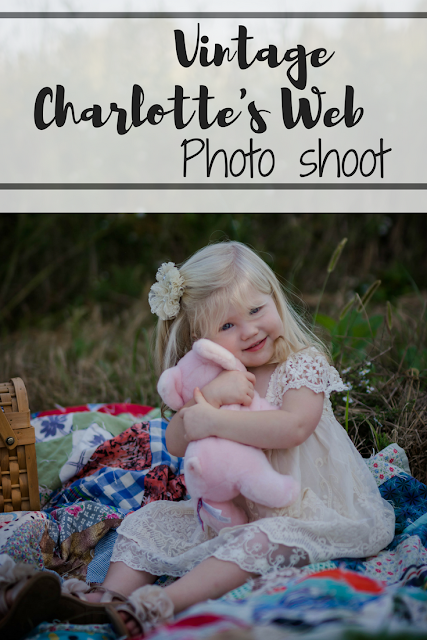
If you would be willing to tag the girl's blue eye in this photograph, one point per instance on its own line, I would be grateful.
(255, 310)
(226, 326)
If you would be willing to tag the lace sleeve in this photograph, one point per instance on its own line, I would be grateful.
(308, 368)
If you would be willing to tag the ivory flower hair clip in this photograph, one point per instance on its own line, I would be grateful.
(166, 293)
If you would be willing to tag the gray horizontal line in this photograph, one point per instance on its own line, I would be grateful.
(215, 14)
(205, 186)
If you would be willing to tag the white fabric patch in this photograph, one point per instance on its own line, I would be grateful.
(51, 427)
(85, 443)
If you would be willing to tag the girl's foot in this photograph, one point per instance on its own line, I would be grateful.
(143, 610)
(132, 626)
(81, 604)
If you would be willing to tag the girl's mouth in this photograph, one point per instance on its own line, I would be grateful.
(257, 346)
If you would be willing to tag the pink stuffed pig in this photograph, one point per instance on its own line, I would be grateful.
(217, 470)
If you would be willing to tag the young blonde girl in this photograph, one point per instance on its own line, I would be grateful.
(225, 292)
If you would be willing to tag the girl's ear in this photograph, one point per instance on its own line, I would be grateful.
(218, 355)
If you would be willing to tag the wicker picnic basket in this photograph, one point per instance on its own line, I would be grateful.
(19, 490)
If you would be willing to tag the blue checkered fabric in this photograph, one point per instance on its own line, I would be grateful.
(114, 487)
(159, 452)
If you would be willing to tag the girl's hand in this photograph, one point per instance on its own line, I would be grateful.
(230, 387)
(200, 419)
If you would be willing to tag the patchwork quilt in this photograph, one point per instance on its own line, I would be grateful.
(98, 463)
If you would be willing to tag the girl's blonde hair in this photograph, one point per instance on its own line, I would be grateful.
(215, 277)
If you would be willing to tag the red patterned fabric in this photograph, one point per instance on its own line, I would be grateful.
(161, 484)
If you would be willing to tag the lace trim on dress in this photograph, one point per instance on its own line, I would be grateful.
(164, 538)
(308, 368)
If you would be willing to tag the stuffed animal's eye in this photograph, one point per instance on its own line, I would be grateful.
(226, 326)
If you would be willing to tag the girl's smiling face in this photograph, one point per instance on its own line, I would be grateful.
(249, 334)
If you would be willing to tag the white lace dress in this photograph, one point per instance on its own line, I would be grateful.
(339, 512)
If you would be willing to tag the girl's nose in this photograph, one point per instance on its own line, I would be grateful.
(249, 330)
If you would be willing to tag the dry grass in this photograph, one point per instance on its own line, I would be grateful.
(87, 360)
(396, 411)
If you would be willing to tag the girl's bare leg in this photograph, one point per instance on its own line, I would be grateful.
(123, 579)
(212, 579)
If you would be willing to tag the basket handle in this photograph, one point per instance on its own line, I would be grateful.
(6, 432)
(21, 394)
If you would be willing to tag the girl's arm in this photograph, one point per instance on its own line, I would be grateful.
(230, 387)
(285, 428)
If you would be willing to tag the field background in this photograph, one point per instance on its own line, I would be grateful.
(76, 326)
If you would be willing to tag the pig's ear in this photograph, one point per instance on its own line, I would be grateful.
(218, 355)
(169, 387)
(193, 466)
